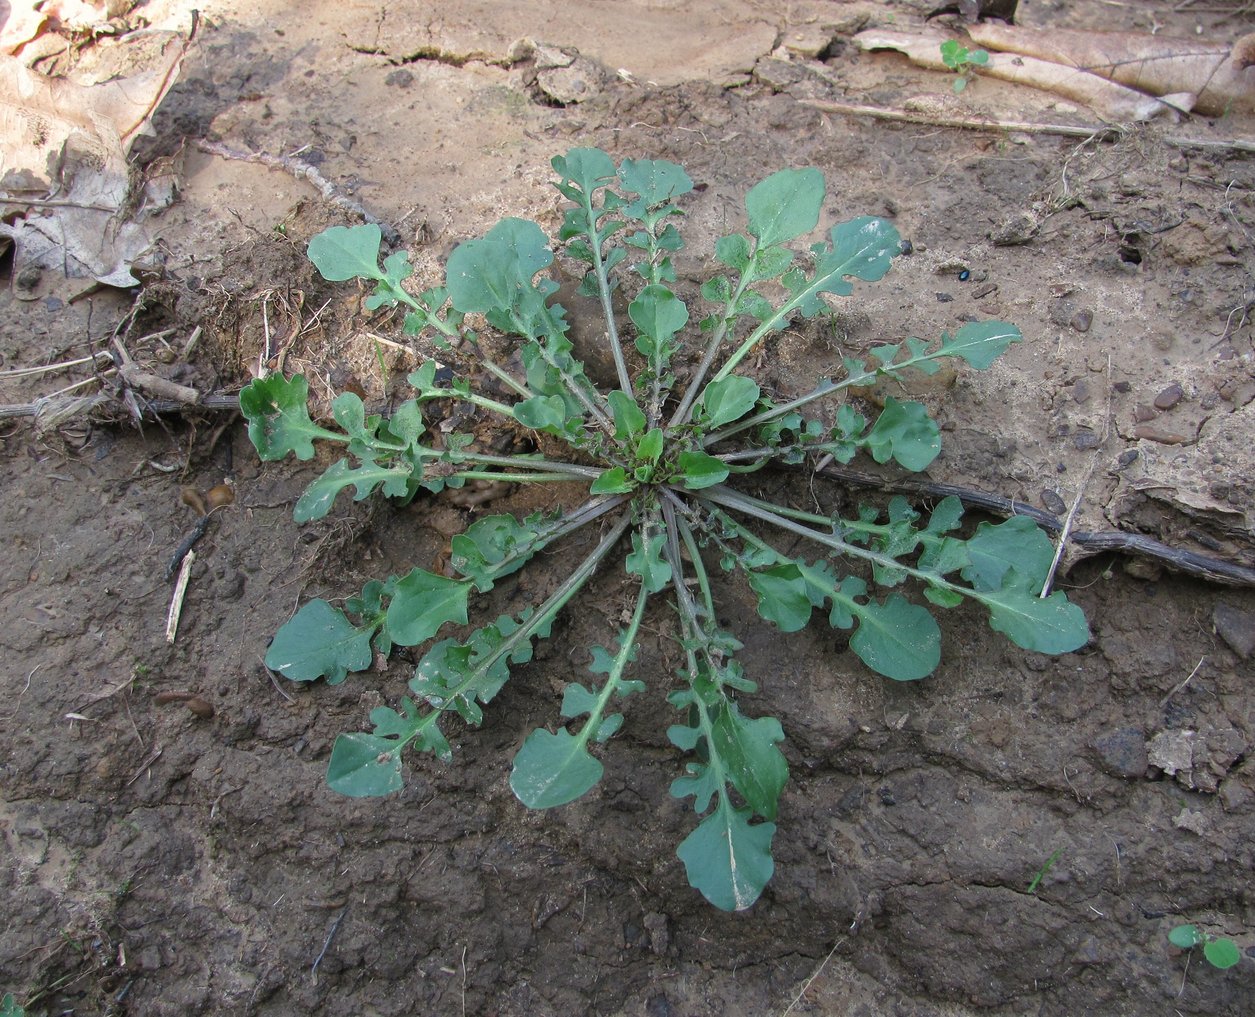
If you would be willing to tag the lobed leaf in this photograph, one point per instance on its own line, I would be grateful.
(495, 275)
(1047, 625)
(728, 859)
(656, 181)
(906, 433)
(747, 748)
(980, 343)
(645, 560)
(658, 313)
(318, 498)
(422, 602)
(897, 639)
(278, 417)
(320, 641)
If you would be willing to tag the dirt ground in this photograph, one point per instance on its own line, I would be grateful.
(161, 860)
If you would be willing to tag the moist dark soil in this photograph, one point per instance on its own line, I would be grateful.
(1015, 834)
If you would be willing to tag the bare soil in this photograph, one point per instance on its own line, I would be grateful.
(157, 861)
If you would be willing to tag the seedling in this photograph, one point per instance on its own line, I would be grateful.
(962, 61)
(1219, 951)
(1041, 873)
(655, 464)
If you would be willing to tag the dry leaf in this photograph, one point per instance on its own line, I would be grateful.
(1219, 75)
(63, 155)
(1108, 99)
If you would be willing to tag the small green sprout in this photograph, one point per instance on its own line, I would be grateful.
(1041, 873)
(962, 61)
(1220, 951)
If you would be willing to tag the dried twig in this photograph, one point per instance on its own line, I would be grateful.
(335, 925)
(180, 591)
(1020, 126)
(302, 171)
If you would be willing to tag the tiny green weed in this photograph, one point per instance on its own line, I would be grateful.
(963, 61)
(1219, 951)
(656, 461)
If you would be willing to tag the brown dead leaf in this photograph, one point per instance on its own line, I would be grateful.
(1220, 76)
(1106, 98)
(63, 157)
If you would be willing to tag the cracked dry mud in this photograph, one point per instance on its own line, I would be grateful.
(159, 862)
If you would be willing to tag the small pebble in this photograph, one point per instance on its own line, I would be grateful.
(1053, 503)
(944, 298)
(1127, 459)
(1235, 627)
(1080, 391)
(1142, 413)
(1085, 440)
(1169, 397)
(1082, 320)
(400, 78)
(1123, 387)
(1149, 432)
(1122, 752)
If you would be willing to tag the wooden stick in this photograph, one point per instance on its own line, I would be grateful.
(1026, 127)
(302, 171)
(180, 591)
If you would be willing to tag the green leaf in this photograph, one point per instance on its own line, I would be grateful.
(697, 470)
(980, 343)
(612, 481)
(726, 400)
(1050, 625)
(645, 560)
(906, 433)
(422, 602)
(755, 766)
(320, 641)
(657, 181)
(658, 313)
(494, 276)
(318, 498)
(727, 859)
(785, 205)
(650, 448)
(997, 548)
(9, 1007)
(542, 413)
(862, 248)
(782, 596)
(364, 766)
(553, 769)
(629, 421)
(897, 639)
(278, 417)
(496, 546)
(1221, 953)
(588, 168)
(733, 251)
(1185, 936)
(347, 252)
